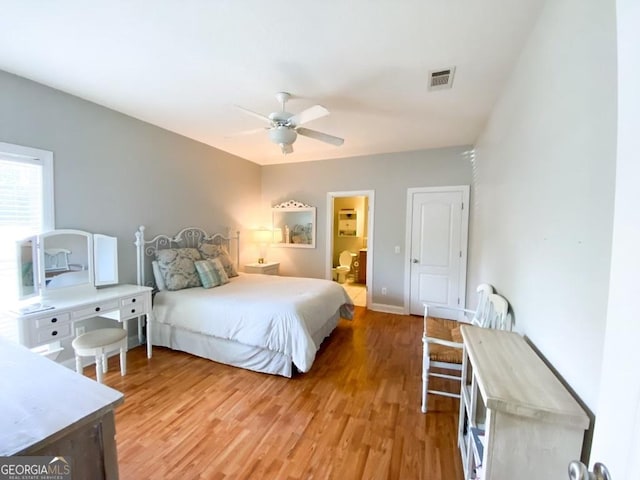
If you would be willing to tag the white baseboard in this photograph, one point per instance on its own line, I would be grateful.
(381, 307)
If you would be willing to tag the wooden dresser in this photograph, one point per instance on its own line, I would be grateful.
(49, 410)
(516, 419)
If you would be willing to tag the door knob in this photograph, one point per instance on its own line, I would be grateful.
(415, 260)
(578, 471)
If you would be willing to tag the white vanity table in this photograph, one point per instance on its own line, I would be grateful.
(82, 283)
(119, 302)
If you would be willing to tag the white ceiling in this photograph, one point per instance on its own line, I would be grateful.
(183, 65)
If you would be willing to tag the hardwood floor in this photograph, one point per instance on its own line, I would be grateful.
(355, 415)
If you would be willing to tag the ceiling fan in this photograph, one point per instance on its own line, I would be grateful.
(284, 127)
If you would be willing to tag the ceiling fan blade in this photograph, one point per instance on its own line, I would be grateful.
(312, 113)
(286, 149)
(254, 114)
(323, 137)
(247, 132)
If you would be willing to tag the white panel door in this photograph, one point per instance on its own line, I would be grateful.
(438, 248)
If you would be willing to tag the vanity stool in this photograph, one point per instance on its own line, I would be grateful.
(98, 343)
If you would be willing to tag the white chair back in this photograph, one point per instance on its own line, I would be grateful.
(497, 313)
(56, 259)
(479, 317)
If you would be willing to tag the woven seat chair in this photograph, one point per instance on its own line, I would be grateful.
(442, 341)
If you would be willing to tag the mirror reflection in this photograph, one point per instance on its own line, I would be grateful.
(27, 270)
(65, 259)
(294, 225)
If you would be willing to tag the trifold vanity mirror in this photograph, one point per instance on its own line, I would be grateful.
(65, 261)
(294, 225)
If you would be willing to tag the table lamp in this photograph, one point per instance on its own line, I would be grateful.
(262, 237)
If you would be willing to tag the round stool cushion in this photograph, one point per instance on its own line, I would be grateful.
(99, 338)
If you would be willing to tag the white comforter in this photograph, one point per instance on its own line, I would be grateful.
(277, 313)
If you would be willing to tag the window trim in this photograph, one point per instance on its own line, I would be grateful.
(45, 158)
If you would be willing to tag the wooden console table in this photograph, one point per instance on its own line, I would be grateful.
(49, 410)
(516, 419)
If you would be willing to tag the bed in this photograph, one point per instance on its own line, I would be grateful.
(264, 323)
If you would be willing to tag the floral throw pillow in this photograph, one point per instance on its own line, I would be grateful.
(209, 251)
(178, 268)
(211, 273)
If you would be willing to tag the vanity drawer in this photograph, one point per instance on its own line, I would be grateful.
(52, 320)
(138, 301)
(51, 334)
(97, 309)
(132, 310)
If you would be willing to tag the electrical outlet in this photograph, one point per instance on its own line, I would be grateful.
(384, 290)
(397, 249)
(80, 330)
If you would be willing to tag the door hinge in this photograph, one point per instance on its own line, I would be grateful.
(462, 208)
(460, 254)
(458, 301)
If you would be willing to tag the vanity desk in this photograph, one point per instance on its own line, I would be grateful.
(56, 323)
(72, 275)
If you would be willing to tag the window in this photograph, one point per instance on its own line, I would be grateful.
(26, 208)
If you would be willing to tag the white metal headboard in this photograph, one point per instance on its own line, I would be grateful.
(190, 237)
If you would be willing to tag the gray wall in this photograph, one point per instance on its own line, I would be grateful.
(389, 175)
(113, 172)
(545, 170)
(617, 434)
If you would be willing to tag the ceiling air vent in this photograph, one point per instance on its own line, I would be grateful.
(441, 79)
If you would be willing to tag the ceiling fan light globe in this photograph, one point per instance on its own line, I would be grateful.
(282, 135)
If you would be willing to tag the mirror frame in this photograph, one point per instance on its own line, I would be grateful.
(32, 244)
(105, 260)
(48, 291)
(101, 263)
(293, 209)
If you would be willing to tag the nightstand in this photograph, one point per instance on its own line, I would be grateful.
(269, 268)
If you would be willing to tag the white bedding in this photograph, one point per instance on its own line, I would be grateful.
(276, 313)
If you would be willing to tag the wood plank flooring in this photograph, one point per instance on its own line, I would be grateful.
(355, 415)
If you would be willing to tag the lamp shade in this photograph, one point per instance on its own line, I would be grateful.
(262, 235)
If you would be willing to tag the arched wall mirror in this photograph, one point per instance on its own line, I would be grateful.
(64, 261)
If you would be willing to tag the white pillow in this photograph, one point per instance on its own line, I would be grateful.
(157, 275)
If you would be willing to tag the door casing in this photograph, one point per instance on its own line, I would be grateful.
(464, 240)
(370, 194)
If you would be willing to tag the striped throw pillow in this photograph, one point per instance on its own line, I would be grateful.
(211, 273)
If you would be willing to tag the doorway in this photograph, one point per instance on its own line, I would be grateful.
(437, 233)
(350, 229)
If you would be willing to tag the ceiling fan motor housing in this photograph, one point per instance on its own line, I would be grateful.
(283, 135)
(280, 118)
